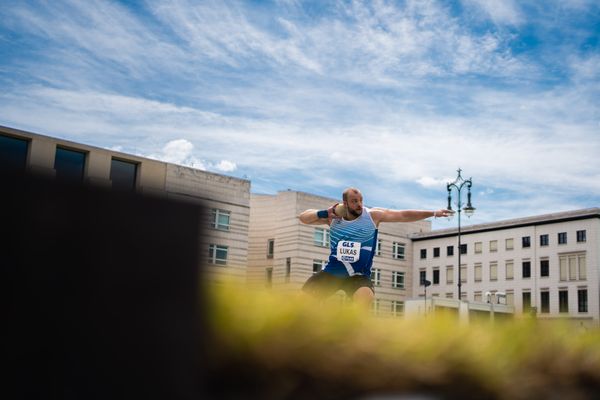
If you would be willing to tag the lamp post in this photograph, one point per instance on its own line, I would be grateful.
(458, 184)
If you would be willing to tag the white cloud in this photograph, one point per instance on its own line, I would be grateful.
(499, 11)
(225, 166)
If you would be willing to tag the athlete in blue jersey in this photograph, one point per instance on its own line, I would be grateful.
(352, 243)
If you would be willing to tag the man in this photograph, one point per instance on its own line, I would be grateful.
(353, 238)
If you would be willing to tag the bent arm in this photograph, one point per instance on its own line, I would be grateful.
(310, 217)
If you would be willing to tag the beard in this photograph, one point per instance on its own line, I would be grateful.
(354, 212)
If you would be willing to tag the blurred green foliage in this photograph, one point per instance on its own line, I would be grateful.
(276, 346)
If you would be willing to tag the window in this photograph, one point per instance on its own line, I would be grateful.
(510, 272)
(220, 219)
(318, 265)
(69, 164)
(398, 280)
(544, 267)
(436, 252)
(477, 296)
(288, 268)
(378, 247)
(217, 254)
(450, 251)
(562, 238)
(13, 153)
(397, 308)
(463, 273)
(478, 272)
(478, 247)
(510, 244)
(321, 237)
(493, 246)
(526, 269)
(510, 298)
(526, 241)
(398, 250)
(376, 304)
(581, 236)
(463, 248)
(123, 174)
(423, 253)
(545, 302)
(582, 301)
(449, 274)
(436, 276)
(269, 277)
(270, 248)
(422, 277)
(582, 269)
(526, 302)
(544, 240)
(449, 295)
(493, 271)
(376, 276)
(563, 301)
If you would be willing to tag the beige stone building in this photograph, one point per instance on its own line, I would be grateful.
(224, 246)
(284, 253)
(546, 264)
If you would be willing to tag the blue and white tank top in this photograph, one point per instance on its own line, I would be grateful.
(352, 245)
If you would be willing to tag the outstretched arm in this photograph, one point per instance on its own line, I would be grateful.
(386, 215)
(317, 217)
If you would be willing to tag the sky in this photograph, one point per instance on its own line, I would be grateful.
(391, 97)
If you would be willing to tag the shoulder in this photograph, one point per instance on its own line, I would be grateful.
(376, 214)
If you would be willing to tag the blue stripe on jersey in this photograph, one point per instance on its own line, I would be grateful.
(362, 230)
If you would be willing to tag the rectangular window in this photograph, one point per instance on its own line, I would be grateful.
(217, 254)
(477, 296)
(526, 302)
(544, 240)
(562, 238)
(544, 267)
(582, 301)
(582, 267)
(423, 254)
(13, 153)
(563, 301)
(581, 236)
(510, 270)
(123, 174)
(69, 164)
(321, 237)
(450, 251)
(436, 276)
(463, 273)
(526, 241)
(510, 298)
(510, 244)
(449, 295)
(463, 248)
(376, 276)
(288, 269)
(572, 268)
(493, 271)
(318, 265)
(397, 308)
(545, 302)
(563, 268)
(221, 219)
(422, 277)
(436, 252)
(378, 247)
(398, 250)
(398, 280)
(449, 274)
(376, 304)
(270, 248)
(478, 247)
(269, 277)
(478, 272)
(526, 269)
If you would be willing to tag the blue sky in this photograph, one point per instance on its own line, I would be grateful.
(388, 96)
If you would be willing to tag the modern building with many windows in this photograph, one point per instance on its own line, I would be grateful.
(545, 265)
(283, 253)
(224, 245)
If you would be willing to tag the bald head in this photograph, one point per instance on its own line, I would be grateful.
(350, 190)
(353, 202)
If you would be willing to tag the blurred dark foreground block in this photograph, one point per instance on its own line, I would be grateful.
(101, 293)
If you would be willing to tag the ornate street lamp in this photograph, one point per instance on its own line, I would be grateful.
(458, 184)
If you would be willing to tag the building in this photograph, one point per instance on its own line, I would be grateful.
(283, 253)
(224, 246)
(546, 265)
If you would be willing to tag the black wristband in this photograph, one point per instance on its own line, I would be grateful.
(322, 213)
